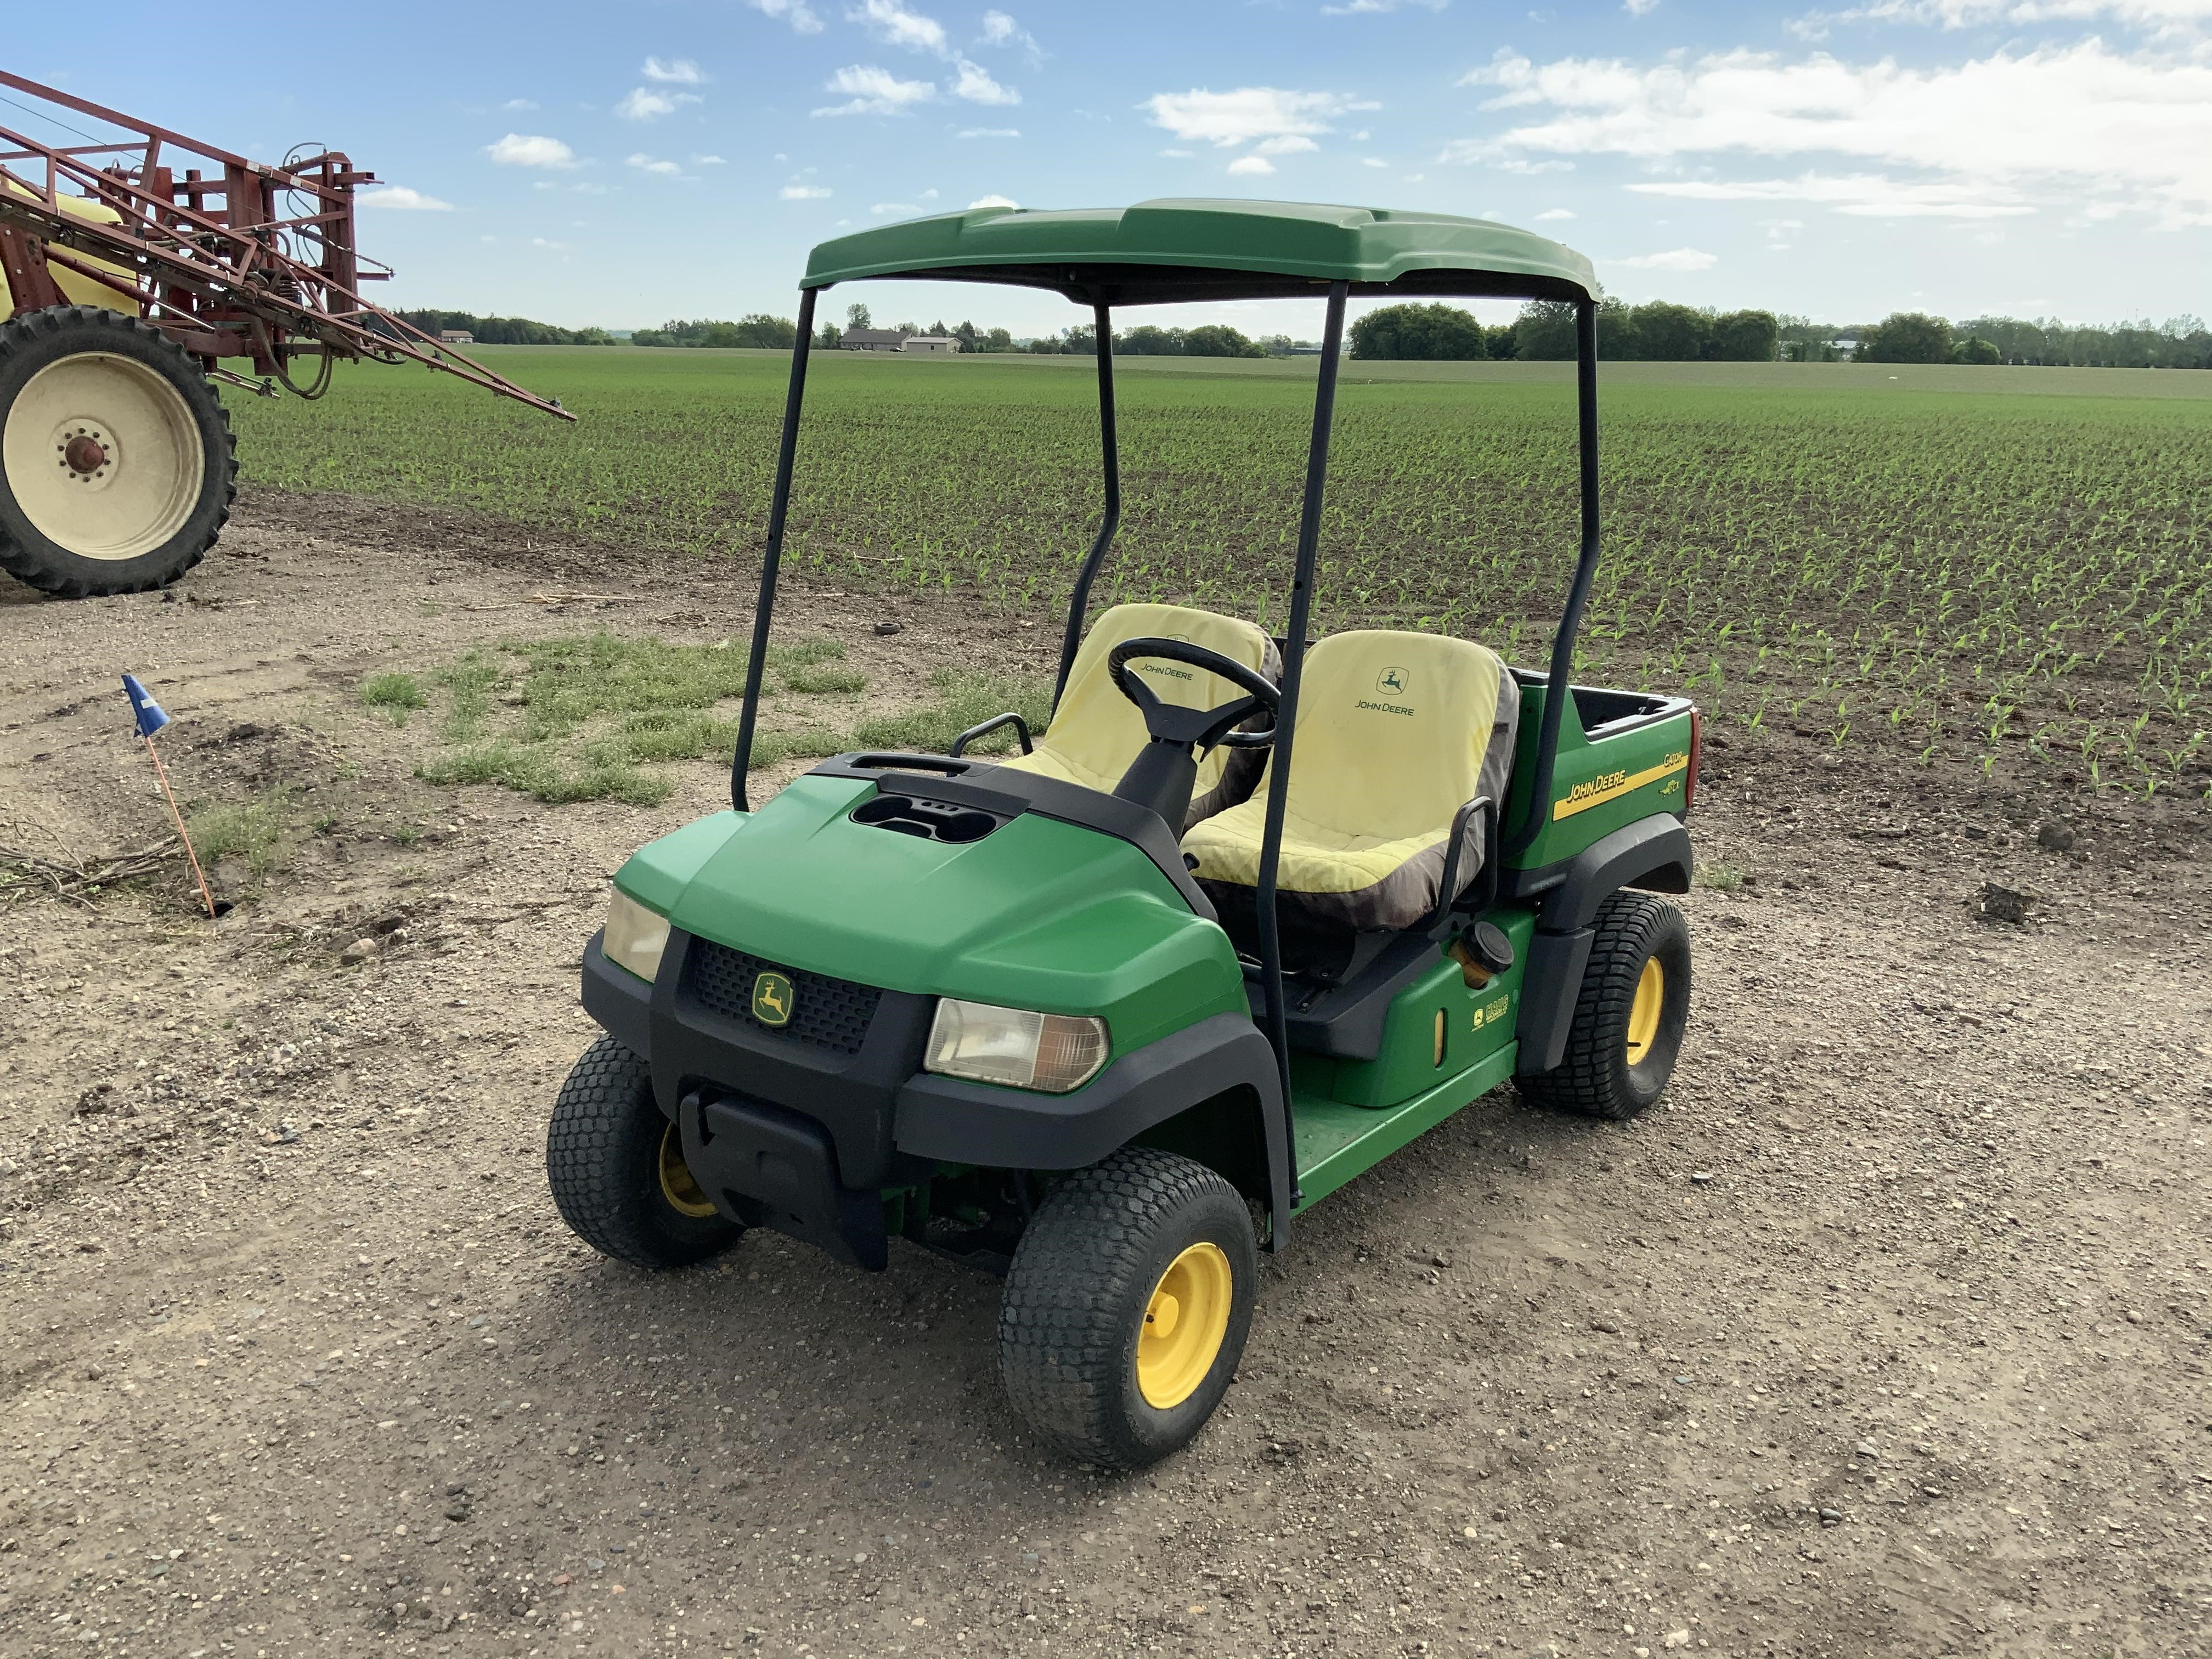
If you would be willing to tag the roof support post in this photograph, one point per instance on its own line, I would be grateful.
(1286, 715)
(1110, 457)
(1559, 688)
(772, 559)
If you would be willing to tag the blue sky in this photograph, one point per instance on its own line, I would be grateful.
(621, 166)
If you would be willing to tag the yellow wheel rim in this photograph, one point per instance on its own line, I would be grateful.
(1643, 1012)
(1185, 1323)
(684, 1193)
(103, 456)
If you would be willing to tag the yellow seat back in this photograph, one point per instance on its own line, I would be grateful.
(1395, 733)
(1096, 731)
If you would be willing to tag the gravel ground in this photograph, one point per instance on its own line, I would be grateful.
(1887, 1336)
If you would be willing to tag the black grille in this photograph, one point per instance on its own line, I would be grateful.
(830, 1014)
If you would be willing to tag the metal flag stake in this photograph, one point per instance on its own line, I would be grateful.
(150, 717)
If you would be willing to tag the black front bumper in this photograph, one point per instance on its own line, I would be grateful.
(803, 1138)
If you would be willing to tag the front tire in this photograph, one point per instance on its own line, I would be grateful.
(1127, 1307)
(1630, 1015)
(616, 1168)
(117, 464)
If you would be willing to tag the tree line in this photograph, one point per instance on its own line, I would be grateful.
(1913, 337)
(1658, 332)
(505, 331)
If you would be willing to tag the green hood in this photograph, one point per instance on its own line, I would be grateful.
(1038, 914)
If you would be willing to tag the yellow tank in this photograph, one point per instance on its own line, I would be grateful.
(76, 288)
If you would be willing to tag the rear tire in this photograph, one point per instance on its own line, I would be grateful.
(616, 1168)
(1629, 1016)
(117, 464)
(1127, 1307)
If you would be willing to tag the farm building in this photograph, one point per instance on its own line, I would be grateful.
(931, 345)
(455, 336)
(871, 339)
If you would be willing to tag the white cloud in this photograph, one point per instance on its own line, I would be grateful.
(905, 208)
(1555, 213)
(929, 195)
(518, 104)
(1639, 7)
(522, 150)
(993, 201)
(1248, 112)
(675, 71)
(1000, 30)
(804, 192)
(989, 132)
(797, 12)
(588, 188)
(1971, 14)
(1678, 258)
(1288, 144)
(398, 195)
(645, 163)
(643, 104)
(1376, 8)
(1863, 195)
(1179, 154)
(1373, 161)
(1251, 164)
(540, 241)
(895, 26)
(709, 162)
(976, 85)
(2078, 125)
(873, 91)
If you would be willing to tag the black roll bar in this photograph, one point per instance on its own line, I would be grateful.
(1559, 688)
(1286, 713)
(779, 507)
(1110, 459)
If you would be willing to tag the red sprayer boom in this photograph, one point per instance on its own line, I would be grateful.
(228, 257)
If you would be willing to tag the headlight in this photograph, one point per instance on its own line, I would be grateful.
(635, 937)
(1054, 1052)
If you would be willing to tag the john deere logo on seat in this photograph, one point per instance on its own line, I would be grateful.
(1391, 682)
(772, 999)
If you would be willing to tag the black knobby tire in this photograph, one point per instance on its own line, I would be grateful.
(603, 1160)
(1596, 1077)
(40, 340)
(1076, 1298)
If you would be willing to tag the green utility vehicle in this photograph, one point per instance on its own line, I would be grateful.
(1107, 1015)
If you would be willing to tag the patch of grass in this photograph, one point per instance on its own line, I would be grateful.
(1716, 878)
(470, 682)
(251, 832)
(963, 701)
(593, 715)
(540, 769)
(396, 694)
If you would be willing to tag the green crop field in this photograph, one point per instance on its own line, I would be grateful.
(1993, 567)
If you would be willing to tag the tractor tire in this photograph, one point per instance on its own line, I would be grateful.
(616, 1168)
(1127, 1306)
(1629, 1016)
(117, 464)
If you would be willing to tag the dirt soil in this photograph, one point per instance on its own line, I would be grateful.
(1888, 1335)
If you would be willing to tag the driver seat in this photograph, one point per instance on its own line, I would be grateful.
(1096, 732)
(1395, 734)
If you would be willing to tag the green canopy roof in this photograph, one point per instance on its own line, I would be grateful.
(1158, 251)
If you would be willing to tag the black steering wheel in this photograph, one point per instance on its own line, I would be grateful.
(1167, 722)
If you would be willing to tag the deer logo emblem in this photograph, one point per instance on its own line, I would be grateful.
(772, 999)
(1391, 682)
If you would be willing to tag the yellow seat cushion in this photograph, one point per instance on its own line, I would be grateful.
(1395, 733)
(1096, 731)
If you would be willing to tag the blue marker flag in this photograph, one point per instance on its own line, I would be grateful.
(151, 716)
